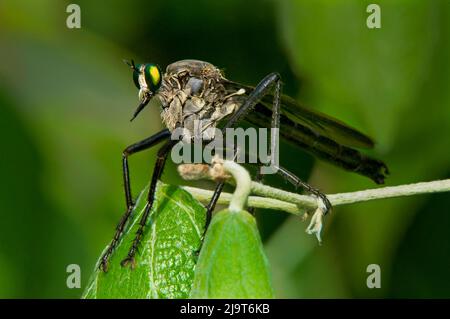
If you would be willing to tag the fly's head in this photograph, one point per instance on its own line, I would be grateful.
(147, 78)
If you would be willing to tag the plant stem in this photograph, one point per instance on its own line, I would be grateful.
(243, 185)
(273, 198)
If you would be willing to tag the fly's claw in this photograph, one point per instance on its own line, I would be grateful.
(104, 261)
(103, 266)
(325, 201)
(129, 261)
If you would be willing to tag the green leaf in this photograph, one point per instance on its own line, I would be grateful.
(166, 259)
(232, 263)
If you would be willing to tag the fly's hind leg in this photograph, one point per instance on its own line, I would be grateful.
(259, 178)
(132, 149)
(274, 149)
(270, 81)
(297, 182)
(263, 87)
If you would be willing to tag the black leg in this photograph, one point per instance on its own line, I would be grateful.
(132, 149)
(260, 90)
(259, 178)
(296, 181)
(258, 93)
(163, 152)
(270, 81)
(212, 203)
(274, 136)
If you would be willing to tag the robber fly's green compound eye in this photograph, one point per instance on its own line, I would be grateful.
(136, 78)
(152, 75)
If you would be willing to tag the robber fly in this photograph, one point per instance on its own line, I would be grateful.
(192, 91)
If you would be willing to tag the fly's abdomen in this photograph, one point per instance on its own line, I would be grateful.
(337, 154)
(323, 147)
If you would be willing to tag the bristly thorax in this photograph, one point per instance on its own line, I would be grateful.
(193, 97)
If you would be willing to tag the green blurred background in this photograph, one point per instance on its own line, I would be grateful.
(66, 99)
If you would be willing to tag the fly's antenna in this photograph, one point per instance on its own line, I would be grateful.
(130, 64)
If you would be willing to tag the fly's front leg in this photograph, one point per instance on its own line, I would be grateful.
(163, 152)
(132, 149)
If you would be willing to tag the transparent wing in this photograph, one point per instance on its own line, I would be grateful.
(319, 123)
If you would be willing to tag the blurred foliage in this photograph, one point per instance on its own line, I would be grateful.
(66, 99)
